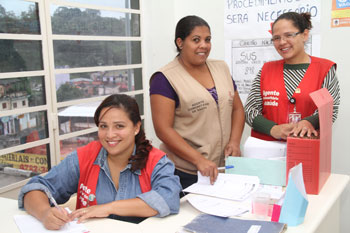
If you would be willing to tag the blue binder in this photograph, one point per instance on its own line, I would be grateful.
(206, 223)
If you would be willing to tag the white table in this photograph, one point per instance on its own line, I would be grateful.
(322, 215)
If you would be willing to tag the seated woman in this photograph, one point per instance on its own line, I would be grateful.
(121, 176)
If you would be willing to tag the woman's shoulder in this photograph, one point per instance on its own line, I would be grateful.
(322, 60)
(216, 61)
(174, 64)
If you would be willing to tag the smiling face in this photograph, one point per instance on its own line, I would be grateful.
(196, 47)
(291, 48)
(116, 132)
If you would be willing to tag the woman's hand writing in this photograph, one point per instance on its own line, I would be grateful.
(55, 218)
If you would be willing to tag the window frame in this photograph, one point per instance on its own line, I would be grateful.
(49, 74)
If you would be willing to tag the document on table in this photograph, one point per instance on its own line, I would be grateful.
(228, 186)
(29, 224)
(218, 206)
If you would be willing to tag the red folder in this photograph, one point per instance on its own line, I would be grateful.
(314, 153)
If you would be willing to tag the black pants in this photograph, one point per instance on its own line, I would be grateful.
(186, 180)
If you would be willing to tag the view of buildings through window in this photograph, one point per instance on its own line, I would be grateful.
(55, 68)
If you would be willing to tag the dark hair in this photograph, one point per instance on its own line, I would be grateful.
(301, 21)
(129, 106)
(186, 25)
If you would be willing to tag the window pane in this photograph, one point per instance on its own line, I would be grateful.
(74, 54)
(80, 21)
(139, 100)
(20, 129)
(25, 92)
(77, 117)
(20, 55)
(20, 165)
(133, 4)
(92, 84)
(69, 145)
(19, 17)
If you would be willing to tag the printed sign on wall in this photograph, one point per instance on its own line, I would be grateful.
(340, 13)
(248, 35)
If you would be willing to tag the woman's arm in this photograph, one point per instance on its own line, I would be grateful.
(254, 104)
(308, 125)
(128, 207)
(163, 112)
(255, 119)
(162, 200)
(61, 181)
(233, 146)
(37, 204)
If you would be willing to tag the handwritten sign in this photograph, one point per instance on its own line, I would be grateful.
(248, 35)
(248, 57)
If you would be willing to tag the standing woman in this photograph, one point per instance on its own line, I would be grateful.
(196, 110)
(120, 176)
(279, 104)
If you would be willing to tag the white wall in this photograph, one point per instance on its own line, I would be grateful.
(160, 18)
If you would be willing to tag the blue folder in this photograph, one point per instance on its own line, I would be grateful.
(206, 223)
(271, 172)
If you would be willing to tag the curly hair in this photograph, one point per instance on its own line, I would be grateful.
(301, 21)
(131, 108)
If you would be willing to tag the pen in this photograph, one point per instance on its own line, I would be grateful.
(226, 167)
(53, 201)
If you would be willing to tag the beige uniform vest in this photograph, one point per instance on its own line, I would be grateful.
(205, 125)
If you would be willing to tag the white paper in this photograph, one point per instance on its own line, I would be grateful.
(296, 173)
(217, 206)
(29, 224)
(227, 186)
(261, 149)
(276, 192)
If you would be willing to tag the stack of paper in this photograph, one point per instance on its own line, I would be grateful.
(261, 149)
(227, 186)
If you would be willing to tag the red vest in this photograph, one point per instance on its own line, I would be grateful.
(276, 105)
(89, 173)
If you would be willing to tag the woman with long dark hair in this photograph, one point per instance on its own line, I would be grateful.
(120, 176)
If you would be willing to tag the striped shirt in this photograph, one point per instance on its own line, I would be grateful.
(293, 74)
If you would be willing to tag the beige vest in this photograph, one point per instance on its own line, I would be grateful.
(205, 125)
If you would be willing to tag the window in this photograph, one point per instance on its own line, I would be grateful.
(58, 61)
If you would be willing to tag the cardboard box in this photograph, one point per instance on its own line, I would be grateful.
(314, 153)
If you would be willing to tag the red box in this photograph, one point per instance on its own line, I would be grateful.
(314, 153)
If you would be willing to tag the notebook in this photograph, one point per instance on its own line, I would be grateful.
(206, 223)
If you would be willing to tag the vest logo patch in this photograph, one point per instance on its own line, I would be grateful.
(270, 98)
(198, 106)
(84, 192)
